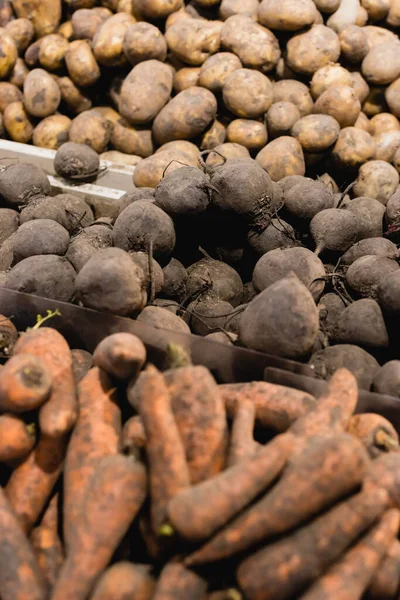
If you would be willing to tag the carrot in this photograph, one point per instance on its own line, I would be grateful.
(133, 435)
(197, 512)
(276, 406)
(169, 473)
(20, 577)
(82, 362)
(285, 568)
(176, 582)
(8, 331)
(384, 472)
(326, 470)
(377, 433)
(16, 438)
(96, 435)
(242, 443)
(385, 583)
(115, 493)
(349, 577)
(59, 414)
(47, 544)
(121, 355)
(24, 384)
(32, 482)
(125, 580)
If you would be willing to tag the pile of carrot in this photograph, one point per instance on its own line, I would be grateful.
(122, 482)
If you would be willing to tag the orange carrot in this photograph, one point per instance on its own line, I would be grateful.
(20, 576)
(285, 568)
(384, 472)
(242, 443)
(326, 470)
(385, 584)
(115, 493)
(125, 580)
(377, 433)
(96, 435)
(121, 355)
(82, 362)
(16, 438)
(8, 333)
(24, 384)
(349, 577)
(176, 582)
(133, 435)
(47, 544)
(197, 512)
(169, 473)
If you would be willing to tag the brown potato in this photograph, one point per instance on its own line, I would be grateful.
(18, 123)
(214, 136)
(44, 14)
(376, 179)
(229, 8)
(157, 9)
(387, 144)
(184, 12)
(216, 69)
(341, 103)
(81, 64)
(150, 171)
(144, 41)
(384, 122)
(22, 32)
(118, 158)
(52, 52)
(281, 117)
(31, 56)
(145, 91)
(392, 96)
(6, 12)
(77, 4)
(52, 132)
(107, 113)
(66, 30)
(325, 77)
(92, 130)
(377, 9)
(85, 22)
(316, 133)
(360, 86)
(362, 17)
(73, 96)
(8, 93)
(378, 35)
(8, 54)
(363, 123)
(288, 90)
(353, 148)
(256, 46)
(109, 39)
(181, 146)
(19, 73)
(381, 66)
(193, 40)
(353, 43)
(185, 116)
(42, 95)
(247, 93)
(282, 157)
(285, 15)
(393, 17)
(228, 150)
(132, 140)
(375, 102)
(250, 134)
(327, 6)
(396, 160)
(307, 52)
(186, 78)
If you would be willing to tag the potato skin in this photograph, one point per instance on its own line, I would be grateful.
(376, 179)
(330, 75)
(8, 93)
(73, 96)
(250, 134)
(44, 14)
(52, 52)
(31, 56)
(296, 92)
(22, 32)
(229, 8)
(282, 157)
(216, 69)
(381, 66)
(193, 40)
(157, 9)
(108, 41)
(145, 91)
(285, 15)
(19, 73)
(81, 64)
(214, 136)
(353, 148)
(42, 95)
(86, 21)
(144, 41)
(8, 54)
(229, 150)
(149, 172)
(52, 132)
(185, 116)
(17, 123)
(186, 78)
(392, 96)
(92, 130)
(132, 140)
(316, 133)
(247, 93)
(353, 43)
(281, 117)
(341, 103)
(308, 52)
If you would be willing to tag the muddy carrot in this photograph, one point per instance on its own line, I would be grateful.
(24, 384)
(326, 470)
(20, 576)
(47, 544)
(115, 493)
(125, 580)
(32, 481)
(384, 472)
(176, 582)
(169, 473)
(285, 568)
(385, 583)
(276, 406)
(377, 433)
(121, 355)
(82, 362)
(8, 331)
(96, 435)
(133, 435)
(59, 414)
(17, 439)
(349, 577)
(242, 443)
(197, 512)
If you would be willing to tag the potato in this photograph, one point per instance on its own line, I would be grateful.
(393, 17)
(193, 40)
(132, 140)
(85, 22)
(185, 116)
(307, 52)
(392, 96)
(8, 93)
(384, 123)
(297, 93)
(145, 91)
(360, 86)
(42, 95)
(284, 15)
(66, 30)
(81, 64)
(396, 160)
(18, 123)
(149, 171)
(52, 52)
(330, 75)
(229, 8)
(92, 130)
(22, 32)
(157, 9)
(44, 14)
(31, 56)
(181, 146)
(119, 158)
(316, 133)
(281, 117)
(376, 9)
(109, 39)
(375, 102)
(378, 35)
(52, 132)
(8, 54)
(73, 96)
(255, 45)
(250, 134)
(144, 41)
(387, 144)
(186, 78)
(341, 103)
(377, 179)
(247, 93)
(282, 157)
(363, 123)
(353, 43)
(214, 136)
(228, 150)
(107, 113)
(216, 69)
(19, 73)
(353, 148)
(381, 65)
(327, 6)
(77, 4)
